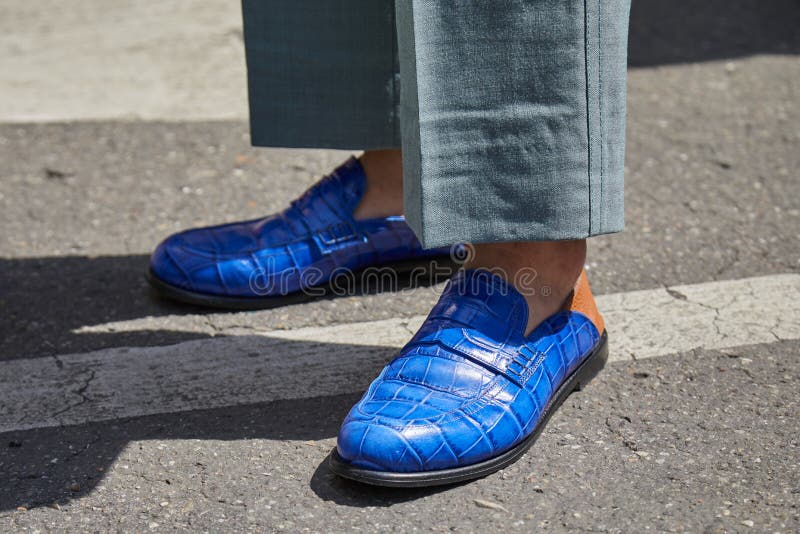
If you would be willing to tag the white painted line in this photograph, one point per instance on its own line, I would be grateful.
(308, 362)
(115, 59)
(713, 315)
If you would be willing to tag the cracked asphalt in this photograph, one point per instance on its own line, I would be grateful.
(702, 440)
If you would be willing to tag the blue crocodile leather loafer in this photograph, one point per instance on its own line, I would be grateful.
(312, 248)
(470, 393)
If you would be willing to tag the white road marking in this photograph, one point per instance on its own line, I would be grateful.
(309, 362)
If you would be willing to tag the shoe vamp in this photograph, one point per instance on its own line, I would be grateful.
(241, 239)
(430, 384)
(447, 412)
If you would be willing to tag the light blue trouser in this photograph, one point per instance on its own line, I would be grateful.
(511, 115)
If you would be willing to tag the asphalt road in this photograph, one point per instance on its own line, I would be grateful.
(701, 440)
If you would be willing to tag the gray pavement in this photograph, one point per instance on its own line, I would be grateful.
(117, 59)
(704, 440)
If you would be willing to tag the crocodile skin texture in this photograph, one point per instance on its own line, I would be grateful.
(307, 244)
(469, 385)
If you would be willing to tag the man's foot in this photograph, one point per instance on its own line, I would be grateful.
(293, 255)
(383, 196)
(557, 265)
(470, 392)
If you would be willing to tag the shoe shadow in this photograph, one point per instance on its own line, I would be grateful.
(47, 466)
(60, 447)
(330, 487)
(43, 464)
(47, 300)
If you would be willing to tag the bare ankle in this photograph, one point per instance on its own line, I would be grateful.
(543, 272)
(384, 193)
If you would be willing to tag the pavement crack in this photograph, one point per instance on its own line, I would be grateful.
(674, 293)
(626, 442)
(407, 328)
(86, 447)
(778, 324)
(716, 325)
(215, 329)
(81, 392)
(203, 479)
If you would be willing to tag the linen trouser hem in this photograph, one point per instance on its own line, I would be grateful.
(511, 114)
(511, 234)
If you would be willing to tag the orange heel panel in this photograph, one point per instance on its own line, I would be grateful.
(583, 301)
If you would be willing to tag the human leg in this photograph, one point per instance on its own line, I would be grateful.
(513, 138)
(320, 74)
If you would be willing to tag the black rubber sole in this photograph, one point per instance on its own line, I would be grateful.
(575, 382)
(434, 269)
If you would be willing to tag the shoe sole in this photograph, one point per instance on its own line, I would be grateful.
(585, 372)
(437, 267)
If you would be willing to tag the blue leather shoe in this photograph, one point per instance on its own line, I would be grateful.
(312, 248)
(469, 394)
